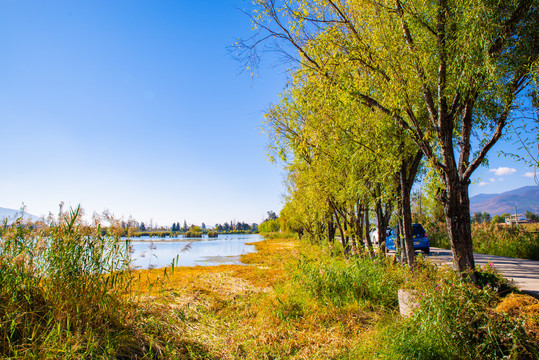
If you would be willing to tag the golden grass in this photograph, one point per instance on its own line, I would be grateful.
(248, 312)
(518, 303)
(258, 311)
(522, 306)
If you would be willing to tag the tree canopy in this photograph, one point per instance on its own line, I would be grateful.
(377, 82)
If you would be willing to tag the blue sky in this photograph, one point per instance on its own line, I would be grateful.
(137, 107)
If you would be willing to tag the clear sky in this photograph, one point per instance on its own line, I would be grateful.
(137, 107)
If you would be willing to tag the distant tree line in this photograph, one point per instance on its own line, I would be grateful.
(232, 227)
(484, 217)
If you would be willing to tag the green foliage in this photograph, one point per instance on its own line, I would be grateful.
(479, 217)
(213, 234)
(193, 234)
(452, 318)
(378, 81)
(269, 226)
(437, 233)
(532, 216)
(497, 219)
(280, 235)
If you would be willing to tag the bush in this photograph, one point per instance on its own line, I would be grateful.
(437, 233)
(280, 235)
(213, 234)
(269, 226)
(193, 234)
(453, 320)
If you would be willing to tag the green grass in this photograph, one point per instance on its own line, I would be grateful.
(454, 319)
(359, 279)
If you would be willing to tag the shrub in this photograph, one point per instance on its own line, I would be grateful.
(453, 320)
(437, 233)
(269, 226)
(280, 235)
(193, 234)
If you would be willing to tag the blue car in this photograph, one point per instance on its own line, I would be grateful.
(421, 240)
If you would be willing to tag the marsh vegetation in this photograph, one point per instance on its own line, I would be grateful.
(69, 292)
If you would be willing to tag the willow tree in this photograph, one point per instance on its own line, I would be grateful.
(303, 133)
(351, 164)
(464, 63)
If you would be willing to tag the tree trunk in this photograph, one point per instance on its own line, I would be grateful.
(406, 188)
(457, 216)
(359, 226)
(400, 246)
(368, 241)
(331, 231)
(344, 239)
(383, 221)
(352, 227)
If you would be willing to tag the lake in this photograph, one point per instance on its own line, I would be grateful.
(157, 252)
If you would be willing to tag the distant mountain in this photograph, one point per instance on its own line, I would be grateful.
(524, 198)
(11, 215)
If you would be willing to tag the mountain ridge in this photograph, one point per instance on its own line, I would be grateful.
(525, 198)
(12, 214)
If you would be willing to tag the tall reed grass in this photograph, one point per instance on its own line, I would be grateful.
(517, 241)
(61, 289)
(494, 239)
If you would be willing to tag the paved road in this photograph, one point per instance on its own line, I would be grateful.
(525, 273)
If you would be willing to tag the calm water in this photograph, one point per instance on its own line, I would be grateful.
(156, 253)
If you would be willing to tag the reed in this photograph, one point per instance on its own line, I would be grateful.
(520, 241)
(61, 289)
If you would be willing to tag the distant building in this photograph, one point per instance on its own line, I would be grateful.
(516, 219)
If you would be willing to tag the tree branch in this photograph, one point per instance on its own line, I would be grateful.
(516, 86)
(420, 72)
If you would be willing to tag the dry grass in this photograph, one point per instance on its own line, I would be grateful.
(525, 307)
(248, 312)
(260, 311)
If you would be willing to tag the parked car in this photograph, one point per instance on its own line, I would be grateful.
(420, 238)
(373, 233)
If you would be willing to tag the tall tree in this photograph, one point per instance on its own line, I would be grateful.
(463, 63)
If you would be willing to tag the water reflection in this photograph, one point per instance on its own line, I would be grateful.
(226, 249)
